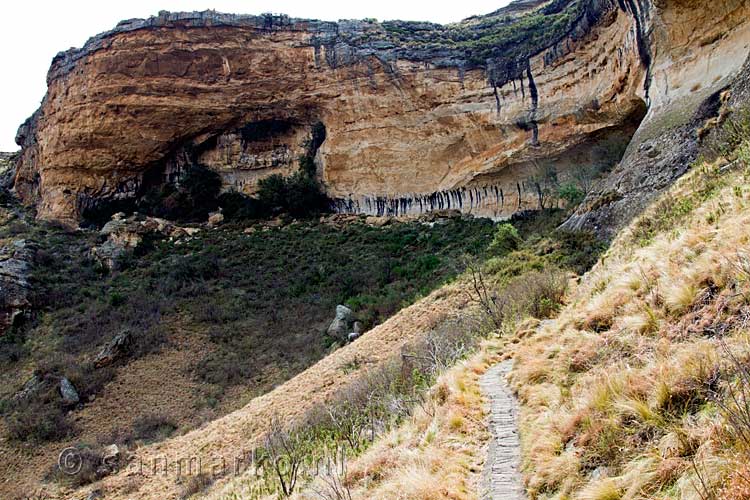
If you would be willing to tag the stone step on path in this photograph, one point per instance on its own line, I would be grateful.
(501, 478)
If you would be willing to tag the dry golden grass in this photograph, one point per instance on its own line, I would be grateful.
(436, 454)
(605, 489)
(235, 434)
(615, 392)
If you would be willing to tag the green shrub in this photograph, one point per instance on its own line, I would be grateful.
(505, 241)
(39, 418)
(117, 299)
(191, 199)
(94, 465)
(538, 294)
(298, 195)
(571, 194)
(202, 186)
(531, 279)
(272, 192)
(237, 206)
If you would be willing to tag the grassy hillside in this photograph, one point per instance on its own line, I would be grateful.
(412, 427)
(241, 312)
(635, 385)
(640, 387)
(637, 388)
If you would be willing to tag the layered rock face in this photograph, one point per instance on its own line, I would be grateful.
(416, 116)
(699, 68)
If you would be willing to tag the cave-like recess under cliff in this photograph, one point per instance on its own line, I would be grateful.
(417, 116)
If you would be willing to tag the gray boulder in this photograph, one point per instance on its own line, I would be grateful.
(378, 221)
(114, 226)
(115, 349)
(111, 454)
(68, 392)
(343, 324)
(344, 313)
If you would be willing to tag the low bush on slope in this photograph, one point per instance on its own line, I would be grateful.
(413, 428)
(639, 389)
(260, 303)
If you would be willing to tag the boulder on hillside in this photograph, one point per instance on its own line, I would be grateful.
(341, 220)
(126, 233)
(30, 389)
(215, 219)
(117, 348)
(440, 217)
(375, 221)
(343, 323)
(111, 454)
(68, 392)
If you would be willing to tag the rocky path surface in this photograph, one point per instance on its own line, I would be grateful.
(501, 479)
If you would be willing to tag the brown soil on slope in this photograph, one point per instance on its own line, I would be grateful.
(235, 434)
(157, 384)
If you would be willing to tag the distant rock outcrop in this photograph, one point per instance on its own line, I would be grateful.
(697, 51)
(16, 260)
(117, 348)
(124, 234)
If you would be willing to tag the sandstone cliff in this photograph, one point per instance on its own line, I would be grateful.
(417, 116)
(696, 51)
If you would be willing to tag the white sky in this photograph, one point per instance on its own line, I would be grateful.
(33, 31)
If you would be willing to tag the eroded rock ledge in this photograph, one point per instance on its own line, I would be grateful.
(417, 116)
